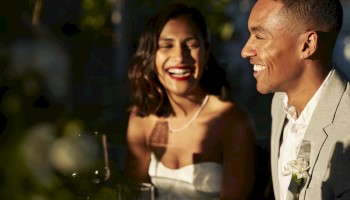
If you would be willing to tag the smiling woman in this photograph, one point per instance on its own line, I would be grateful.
(183, 136)
(181, 56)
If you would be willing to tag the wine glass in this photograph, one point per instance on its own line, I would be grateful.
(90, 171)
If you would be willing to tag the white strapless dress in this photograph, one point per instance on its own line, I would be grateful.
(200, 181)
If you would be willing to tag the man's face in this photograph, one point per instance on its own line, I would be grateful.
(273, 48)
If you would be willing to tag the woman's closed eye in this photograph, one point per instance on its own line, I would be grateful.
(193, 45)
(165, 46)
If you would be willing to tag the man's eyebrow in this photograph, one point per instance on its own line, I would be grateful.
(257, 29)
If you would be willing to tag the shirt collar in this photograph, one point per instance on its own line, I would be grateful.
(305, 115)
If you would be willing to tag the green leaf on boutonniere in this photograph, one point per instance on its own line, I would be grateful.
(299, 181)
(298, 168)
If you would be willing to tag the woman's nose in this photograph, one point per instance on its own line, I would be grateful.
(181, 53)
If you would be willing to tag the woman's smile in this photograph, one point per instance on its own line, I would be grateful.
(180, 73)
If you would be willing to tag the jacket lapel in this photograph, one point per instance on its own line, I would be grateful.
(316, 133)
(277, 126)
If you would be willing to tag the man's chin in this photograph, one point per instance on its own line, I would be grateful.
(263, 90)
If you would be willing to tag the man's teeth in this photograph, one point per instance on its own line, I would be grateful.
(259, 68)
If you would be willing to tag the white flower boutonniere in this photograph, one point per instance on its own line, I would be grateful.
(298, 168)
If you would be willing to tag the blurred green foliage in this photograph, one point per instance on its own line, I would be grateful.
(27, 103)
(213, 10)
(96, 13)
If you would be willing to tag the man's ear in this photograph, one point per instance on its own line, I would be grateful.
(310, 44)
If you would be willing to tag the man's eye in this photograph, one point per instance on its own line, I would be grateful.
(258, 37)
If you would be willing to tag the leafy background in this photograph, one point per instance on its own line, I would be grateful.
(63, 71)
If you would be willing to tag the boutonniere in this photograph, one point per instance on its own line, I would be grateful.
(298, 168)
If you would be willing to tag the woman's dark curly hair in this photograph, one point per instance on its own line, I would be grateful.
(148, 94)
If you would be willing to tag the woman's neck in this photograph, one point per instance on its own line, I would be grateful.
(186, 105)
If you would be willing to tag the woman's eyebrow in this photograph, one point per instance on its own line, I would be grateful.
(171, 39)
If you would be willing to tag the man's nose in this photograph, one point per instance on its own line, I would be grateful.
(248, 51)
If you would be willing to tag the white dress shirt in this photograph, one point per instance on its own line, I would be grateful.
(293, 134)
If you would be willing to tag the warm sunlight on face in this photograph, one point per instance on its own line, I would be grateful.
(181, 56)
(272, 49)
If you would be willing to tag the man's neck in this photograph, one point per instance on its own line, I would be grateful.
(300, 98)
(299, 101)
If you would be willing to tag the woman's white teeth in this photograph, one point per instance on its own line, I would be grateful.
(259, 68)
(179, 71)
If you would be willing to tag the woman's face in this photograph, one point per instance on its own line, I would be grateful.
(181, 56)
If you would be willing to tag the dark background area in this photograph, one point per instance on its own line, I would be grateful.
(65, 62)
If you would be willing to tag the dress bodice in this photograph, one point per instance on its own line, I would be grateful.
(197, 181)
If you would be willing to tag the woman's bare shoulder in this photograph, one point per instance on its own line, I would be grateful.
(227, 108)
(230, 114)
(135, 117)
(139, 126)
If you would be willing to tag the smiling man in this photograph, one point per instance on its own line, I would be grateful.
(290, 47)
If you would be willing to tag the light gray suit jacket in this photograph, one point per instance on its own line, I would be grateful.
(327, 139)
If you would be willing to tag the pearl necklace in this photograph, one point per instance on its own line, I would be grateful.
(171, 129)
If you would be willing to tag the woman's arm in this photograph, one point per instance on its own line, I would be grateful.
(138, 151)
(238, 156)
